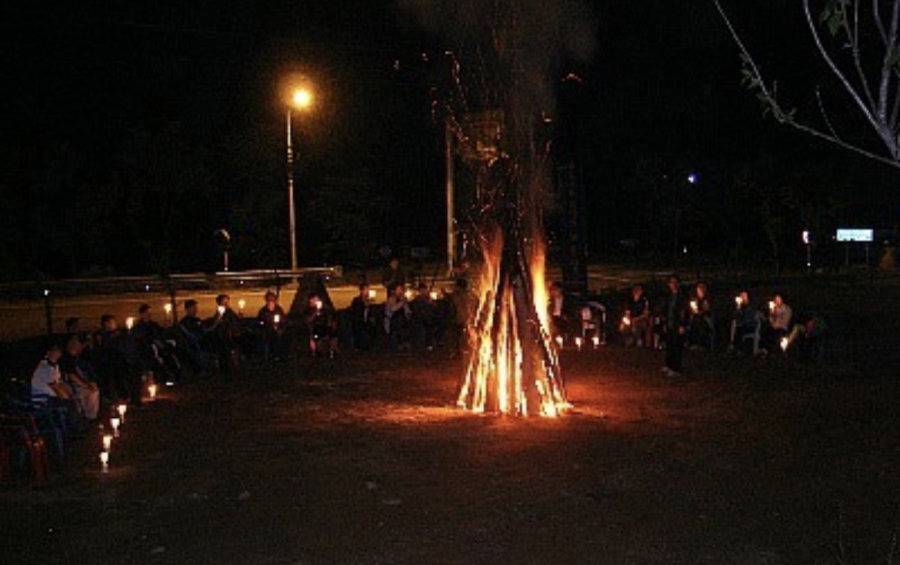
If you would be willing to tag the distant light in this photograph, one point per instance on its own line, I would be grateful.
(46, 292)
(684, 250)
(806, 237)
(302, 98)
(170, 383)
(693, 178)
(147, 287)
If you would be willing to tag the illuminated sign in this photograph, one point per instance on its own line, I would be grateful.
(854, 235)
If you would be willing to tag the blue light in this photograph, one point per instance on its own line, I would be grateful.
(693, 178)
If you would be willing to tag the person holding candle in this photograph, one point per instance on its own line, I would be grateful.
(676, 327)
(746, 324)
(780, 315)
(362, 318)
(701, 331)
(637, 329)
(423, 319)
(272, 320)
(321, 326)
(116, 361)
(396, 318)
(225, 328)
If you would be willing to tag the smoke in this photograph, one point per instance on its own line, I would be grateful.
(512, 49)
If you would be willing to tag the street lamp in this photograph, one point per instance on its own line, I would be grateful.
(301, 99)
(692, 179)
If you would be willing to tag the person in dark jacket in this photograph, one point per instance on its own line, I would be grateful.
(393, 275)
(272, 319)
(362, 318)
(676, 326)
(226, 333)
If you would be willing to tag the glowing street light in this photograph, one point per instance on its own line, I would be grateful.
(301, 99)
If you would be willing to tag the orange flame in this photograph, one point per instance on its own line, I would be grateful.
(504, 374)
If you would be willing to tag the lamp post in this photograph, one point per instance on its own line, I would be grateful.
(301, 99)
(692, 179)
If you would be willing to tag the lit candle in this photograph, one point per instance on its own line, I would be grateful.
(785, 342)
(559, 340)
(737, 301)
(121, 409)
(596, 340)
(694, 306)
(318, 303)
(114, 424)
(372, 294)
(433, 294)
(221, 310)
(168, 308)
(277, 319)
(241, 304)
(408, 294)
(104, 461)
(151, 390)
(771, 305)
(107, 441)
(578, 342)
(129, 322)
(626, 320)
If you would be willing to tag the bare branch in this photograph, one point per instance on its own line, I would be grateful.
(825, 114)
(787, 117)
(853, 40)
(887, 64)
(837, 72)
(876, 12)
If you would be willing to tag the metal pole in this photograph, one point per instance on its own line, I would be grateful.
(290, 180)
(451, 232)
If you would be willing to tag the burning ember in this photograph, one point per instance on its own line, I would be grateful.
(514, 365)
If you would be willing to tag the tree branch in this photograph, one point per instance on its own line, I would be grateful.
(837, 72)
(787, 118)
(876, 12)
(853, 39)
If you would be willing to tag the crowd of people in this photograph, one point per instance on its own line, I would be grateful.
(83, 372)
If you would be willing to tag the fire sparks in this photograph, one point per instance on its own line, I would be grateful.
(514, 367)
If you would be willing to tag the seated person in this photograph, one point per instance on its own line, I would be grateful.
(321, 326)
(114, 352)
(636, 326)
(559, 314)
(79, 379)
(362, 320)
(701, 329)
(272, 319)
(780, 315)
(195, 340)
(47, 388)
(746, 324)
(593, 322)
(396, 318)
(148, 336)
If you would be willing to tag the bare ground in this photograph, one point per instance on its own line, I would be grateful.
(364, 459)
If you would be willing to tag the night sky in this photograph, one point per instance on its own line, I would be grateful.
(130, 126)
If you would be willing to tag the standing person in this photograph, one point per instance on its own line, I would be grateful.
(114, 355)
(676, 322)
(396, 317)
(272, 319)
(362, 321)
(559, 314)
(226, 329)
(393, 275)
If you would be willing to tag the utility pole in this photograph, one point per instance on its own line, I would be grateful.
(290, 182)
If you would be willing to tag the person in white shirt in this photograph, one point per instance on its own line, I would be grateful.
(46, 381)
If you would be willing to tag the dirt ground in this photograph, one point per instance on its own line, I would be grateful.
(364, 459)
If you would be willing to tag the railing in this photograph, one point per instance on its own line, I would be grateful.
(175, 282)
